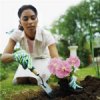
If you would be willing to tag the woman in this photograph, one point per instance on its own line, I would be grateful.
(35, 41)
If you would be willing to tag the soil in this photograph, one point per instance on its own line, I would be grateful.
(90, 91)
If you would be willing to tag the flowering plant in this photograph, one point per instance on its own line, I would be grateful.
(65, 68)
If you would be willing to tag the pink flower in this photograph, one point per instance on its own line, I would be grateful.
(64, 70)
(73, 61)
(54, 64)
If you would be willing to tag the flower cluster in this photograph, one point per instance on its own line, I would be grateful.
(64, 68)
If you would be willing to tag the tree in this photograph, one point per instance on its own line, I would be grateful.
(76, 24)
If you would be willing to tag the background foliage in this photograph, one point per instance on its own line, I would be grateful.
(5, 69)
(78, 26)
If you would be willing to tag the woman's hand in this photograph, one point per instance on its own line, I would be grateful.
(7, 55)
(24, 59)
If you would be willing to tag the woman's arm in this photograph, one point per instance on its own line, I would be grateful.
(53, 51)
(7, 55)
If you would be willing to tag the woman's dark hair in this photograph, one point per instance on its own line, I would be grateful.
(25, 7)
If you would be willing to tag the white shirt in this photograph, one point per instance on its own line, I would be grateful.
(37, 48)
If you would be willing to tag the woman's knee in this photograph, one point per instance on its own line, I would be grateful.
(33, 80)
(21, 80)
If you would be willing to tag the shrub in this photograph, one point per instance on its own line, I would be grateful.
(11, 66)
(3, 73)
(84, 55)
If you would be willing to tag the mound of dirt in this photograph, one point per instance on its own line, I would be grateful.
(90, 91)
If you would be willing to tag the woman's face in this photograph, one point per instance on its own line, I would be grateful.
(28, 21)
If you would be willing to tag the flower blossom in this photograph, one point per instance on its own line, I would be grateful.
(64, 70)
(59, 68)
(73, 61)
(54, 64)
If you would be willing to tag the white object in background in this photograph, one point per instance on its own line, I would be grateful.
(73, 50)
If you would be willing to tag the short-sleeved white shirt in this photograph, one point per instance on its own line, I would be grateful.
(39, 46)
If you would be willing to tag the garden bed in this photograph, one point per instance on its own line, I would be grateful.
(91, 91)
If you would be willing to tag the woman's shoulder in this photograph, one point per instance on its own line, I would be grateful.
(44, 31)
(47, 36)
(16, 35)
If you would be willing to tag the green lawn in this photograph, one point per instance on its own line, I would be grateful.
(82, 73)
(7, 88)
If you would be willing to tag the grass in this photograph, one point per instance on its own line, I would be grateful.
(7, 88)
(82, 73)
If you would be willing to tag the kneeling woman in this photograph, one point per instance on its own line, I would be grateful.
(38, 43)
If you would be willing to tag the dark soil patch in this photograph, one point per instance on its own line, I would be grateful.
(91, 91)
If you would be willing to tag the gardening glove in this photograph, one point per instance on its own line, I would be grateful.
(73, 83)
(75, 70)
(25, 60)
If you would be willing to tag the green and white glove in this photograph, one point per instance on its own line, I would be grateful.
(24, 59)
(73, 83)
